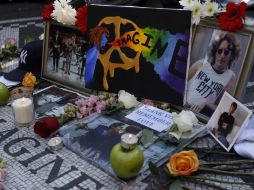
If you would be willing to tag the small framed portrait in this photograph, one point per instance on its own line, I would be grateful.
(64, 56)
(228, 120)
(220, 61)
(51, 101)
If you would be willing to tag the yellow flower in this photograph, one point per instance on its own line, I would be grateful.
(29, 80)
(183, 163)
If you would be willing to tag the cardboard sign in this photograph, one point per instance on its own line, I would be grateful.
(152, 117)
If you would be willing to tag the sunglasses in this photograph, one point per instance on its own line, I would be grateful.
(226, 51)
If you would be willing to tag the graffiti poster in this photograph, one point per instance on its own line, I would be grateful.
(141, 50)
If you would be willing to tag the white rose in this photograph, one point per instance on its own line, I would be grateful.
(185, 120)
(128, 100)
(64, 13)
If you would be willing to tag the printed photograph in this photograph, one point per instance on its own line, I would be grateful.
(216, 65)
(88, 137)
(64, 55)
(228, 121)
(50, 101)
(145, 57)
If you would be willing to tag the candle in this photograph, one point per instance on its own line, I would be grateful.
(129, 141)
(55, 143)
(23, 110)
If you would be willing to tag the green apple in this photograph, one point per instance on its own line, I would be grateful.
(4, 94)
(126, 163)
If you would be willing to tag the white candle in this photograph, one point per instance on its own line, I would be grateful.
(23, 110)
(129, 140)
(55, 143)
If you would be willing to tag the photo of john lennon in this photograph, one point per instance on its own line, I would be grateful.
(66, 54)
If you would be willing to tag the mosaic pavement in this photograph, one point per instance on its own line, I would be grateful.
(31, 165)
(22, 30)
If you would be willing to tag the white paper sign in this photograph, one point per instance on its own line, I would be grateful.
(152, 117)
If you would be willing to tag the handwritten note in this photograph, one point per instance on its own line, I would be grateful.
(152, 117)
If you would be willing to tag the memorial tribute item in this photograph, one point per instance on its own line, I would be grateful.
(46, 126)
(228, 120)
(23, 110)
(126, 158)
(130, 50)
(4, 94)
(55, 143)
(30, 60)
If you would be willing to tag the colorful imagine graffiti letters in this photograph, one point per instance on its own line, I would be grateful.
(164, 51)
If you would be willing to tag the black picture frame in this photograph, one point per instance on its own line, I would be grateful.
(202, 37)
(71, 45)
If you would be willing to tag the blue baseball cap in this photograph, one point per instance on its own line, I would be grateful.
(30, 60)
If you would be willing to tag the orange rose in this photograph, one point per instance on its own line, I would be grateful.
(183, 163)
(29, 80)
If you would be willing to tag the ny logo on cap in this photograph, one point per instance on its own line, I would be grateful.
(23, 55)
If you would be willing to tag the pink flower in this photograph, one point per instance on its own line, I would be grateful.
(148, 102)
(93, 99)
(100, 106)
(10, 42)
(80, 102)
(2, 175)
(83, 111)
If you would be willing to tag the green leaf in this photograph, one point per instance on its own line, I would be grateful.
(173, 127)
(154, 170)
(147, 137)
(176, 185)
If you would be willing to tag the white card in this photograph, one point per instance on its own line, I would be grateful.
(152, 117)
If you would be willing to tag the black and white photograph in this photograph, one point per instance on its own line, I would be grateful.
(50, 101)
(228, 120)
(218, 63)
(64, 55)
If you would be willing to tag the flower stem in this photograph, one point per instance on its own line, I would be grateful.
(233, 169)
(219, 152)
(217, 180)
(225, 172)
(206, 184)
(229, 162)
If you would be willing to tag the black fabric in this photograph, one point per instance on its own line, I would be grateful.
(229, 120)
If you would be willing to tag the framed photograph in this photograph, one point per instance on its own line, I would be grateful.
(228, 120)
(64, 56)
(220, 61)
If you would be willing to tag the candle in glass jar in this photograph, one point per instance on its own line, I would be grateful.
(23, 110)
(55, 143)
(129, 140)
